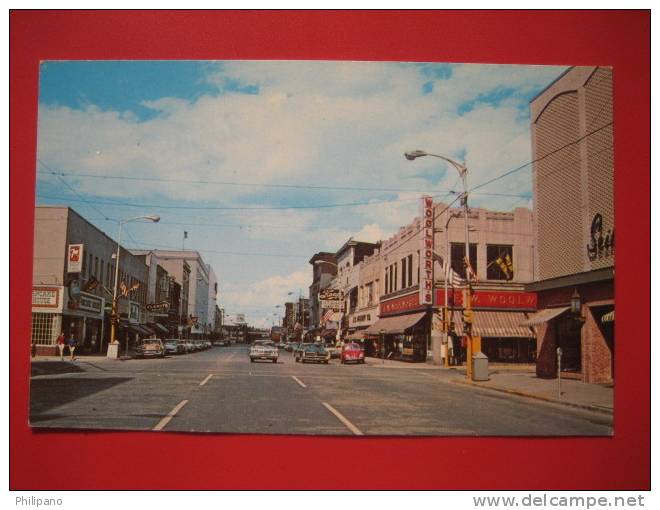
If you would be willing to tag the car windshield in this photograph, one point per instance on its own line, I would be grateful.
(351, 347)
(150, 341)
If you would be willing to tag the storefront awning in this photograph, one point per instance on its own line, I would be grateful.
(160, 327)
(497, 324)
(146, 330)
(608, 317)
(543, 316)
(357, 335)
(395, 325)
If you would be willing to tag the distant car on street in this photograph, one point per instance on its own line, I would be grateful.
(312, 352)
(190, 347)
(172, 346)
(335, 352)
(150, 348)
(264, 350)
(352, 353)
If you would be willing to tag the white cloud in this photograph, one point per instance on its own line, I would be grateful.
(312, 123)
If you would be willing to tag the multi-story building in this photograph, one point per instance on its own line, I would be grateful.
(73, 279)
(324, 269)
(188, 267)
(212, 298)
(289, 321)
(369, 291)
(573, 177)
(349, 259)
(410, 324)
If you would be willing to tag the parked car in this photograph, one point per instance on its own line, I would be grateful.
(352, 353)
(150, 348)
(190, 346)
(312, 352)
(171, 346)
(264, 350)
(335, 351)
(298, 347)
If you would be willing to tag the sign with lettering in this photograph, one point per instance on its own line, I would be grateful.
(485, 299)
(75, 258)
(600, 245)
(400, 304)
(426, 252)
(90, 303)
(46, 297)
(332, 299)
(163, 306)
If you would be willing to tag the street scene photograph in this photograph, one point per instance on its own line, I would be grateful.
(324, 248)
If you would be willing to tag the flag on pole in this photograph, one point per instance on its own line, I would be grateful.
(123, 289)
(135, 286)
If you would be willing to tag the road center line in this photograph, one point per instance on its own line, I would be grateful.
(299, 381)
(206, 379)
(170, 415)
(343, 419)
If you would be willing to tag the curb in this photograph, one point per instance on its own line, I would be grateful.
(537, 397)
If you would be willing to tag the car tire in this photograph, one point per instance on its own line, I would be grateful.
(274, 361)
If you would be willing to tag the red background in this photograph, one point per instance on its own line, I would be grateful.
(112, 460)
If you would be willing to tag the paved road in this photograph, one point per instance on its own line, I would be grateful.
(219, 390)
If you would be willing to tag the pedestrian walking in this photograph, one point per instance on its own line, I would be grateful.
(60, 345)
(71, 342)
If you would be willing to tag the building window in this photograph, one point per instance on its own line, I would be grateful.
(101, 273)
(458, 255)
(404, 273)
(396, 267)
(500, 262)
(370, 294)
(42, 329)
(410, 270)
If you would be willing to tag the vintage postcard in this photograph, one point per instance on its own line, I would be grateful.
(324, 248)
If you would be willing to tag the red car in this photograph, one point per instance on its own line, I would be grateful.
(352, 352)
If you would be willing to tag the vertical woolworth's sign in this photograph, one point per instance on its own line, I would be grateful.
(426, 253)
(74, 258)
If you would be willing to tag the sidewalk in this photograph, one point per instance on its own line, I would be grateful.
(394, 363)
(595, 397)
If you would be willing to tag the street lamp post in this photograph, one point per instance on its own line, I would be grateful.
(113, 346)
(467, 305)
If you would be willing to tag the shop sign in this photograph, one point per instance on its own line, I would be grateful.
(600, 246)
(75, 258)
(400, 304)
(426, 252)
(90, 303)
(46, 297)
(484, 299)
(133, 312)
(163, 306)
(332, 299)
(365, 317)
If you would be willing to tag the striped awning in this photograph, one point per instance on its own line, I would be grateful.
(395, 325)
(497, 324)
(544, 316)
(608, 317)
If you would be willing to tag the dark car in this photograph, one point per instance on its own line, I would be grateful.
(312, 352)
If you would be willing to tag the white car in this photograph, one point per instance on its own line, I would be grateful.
(264, 350)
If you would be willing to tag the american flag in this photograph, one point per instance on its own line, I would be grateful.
(327, 315)
(123, 289)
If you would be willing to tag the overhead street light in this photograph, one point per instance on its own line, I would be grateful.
(467, 305)
(113, 347)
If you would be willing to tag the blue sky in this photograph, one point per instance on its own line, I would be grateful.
(235, 152)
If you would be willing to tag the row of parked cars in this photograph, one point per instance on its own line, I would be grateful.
(157, 348)
(350, 352)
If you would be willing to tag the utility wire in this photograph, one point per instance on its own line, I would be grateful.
(555, 151)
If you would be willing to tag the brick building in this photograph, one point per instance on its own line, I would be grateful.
(574, 224)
